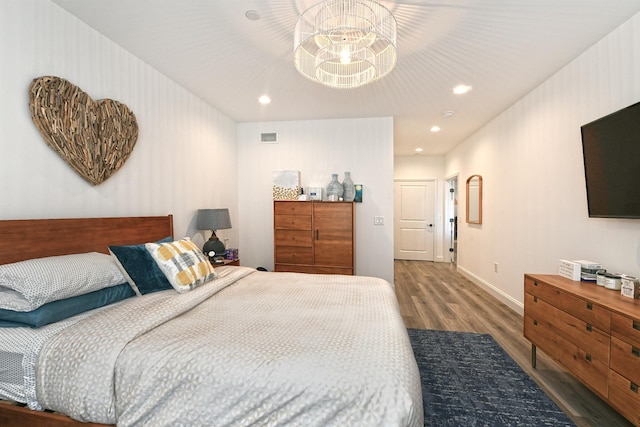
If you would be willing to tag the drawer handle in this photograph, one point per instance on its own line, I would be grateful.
(588, 357)
(535, 299)
(589, 306)
(535, 283)
(589, 328)
(317, 234)
(634, 388)
(635, 351)
(636, 325)
(535, 323)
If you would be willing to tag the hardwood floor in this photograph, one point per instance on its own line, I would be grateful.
(435, 296)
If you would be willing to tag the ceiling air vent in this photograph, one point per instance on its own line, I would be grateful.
(269, 138)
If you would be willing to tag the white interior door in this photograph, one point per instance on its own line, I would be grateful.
(414, 220)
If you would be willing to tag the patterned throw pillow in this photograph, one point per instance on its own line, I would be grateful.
(183, 263)
(27, 285)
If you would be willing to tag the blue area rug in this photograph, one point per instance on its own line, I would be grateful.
(469, 380)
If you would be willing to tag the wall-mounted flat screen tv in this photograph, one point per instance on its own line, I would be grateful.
(611, 151)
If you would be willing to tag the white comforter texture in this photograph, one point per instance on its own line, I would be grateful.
(250, 348)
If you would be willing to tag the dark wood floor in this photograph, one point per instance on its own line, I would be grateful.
(435, 296)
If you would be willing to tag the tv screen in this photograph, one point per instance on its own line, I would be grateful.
(611, 151)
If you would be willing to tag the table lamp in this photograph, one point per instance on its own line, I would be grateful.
(213, 219)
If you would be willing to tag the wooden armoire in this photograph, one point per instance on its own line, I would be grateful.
(314, 237)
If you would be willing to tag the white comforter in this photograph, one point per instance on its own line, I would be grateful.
(250, 348)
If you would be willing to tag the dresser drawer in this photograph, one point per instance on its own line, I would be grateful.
(294, 255)
(292, 208)
(624, 396)
(300, 268)
(626, 328)
(293, 237)
(590, 370)
(292, 222)
(577, 307)
(625, 359)
(581, 334)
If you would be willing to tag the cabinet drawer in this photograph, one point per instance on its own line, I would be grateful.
(577, 307)
(294, 255)
(626, 328)
(292, 208)
(625, 359)
(293, 238)
(292, 222)
(581, 334)
(295, 268)
(587, 368)
(624, 396)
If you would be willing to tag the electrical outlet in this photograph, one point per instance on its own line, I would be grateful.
(495, 267)
(378, 220)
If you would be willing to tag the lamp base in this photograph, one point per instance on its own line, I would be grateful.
(214, 245)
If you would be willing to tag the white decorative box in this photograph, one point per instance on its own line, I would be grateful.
(630, 287)
(286, 185)
(570, 270)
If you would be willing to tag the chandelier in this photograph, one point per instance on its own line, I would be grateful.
(345, 43)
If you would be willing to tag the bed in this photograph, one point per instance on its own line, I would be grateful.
(245, 348)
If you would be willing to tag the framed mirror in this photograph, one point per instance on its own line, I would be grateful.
(474, 199)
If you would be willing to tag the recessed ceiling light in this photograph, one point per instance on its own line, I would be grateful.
(461, 89)
(448, 113)
(264, 100)
(418, 150)
(435, 129)
(252, 15)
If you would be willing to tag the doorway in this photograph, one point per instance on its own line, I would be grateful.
(414, 223)
(451, 213)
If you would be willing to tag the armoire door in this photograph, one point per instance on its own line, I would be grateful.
(333, 234)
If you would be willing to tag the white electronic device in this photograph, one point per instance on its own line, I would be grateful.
(314, 193)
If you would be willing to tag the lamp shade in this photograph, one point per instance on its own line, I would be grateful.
(213, 219)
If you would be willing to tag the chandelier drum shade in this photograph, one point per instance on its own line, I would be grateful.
(345, 43)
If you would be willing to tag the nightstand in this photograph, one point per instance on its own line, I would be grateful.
(225, 262)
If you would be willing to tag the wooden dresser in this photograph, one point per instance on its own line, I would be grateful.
(592, 331)
(314, 237)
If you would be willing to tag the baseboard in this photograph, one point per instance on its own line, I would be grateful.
(509, 301)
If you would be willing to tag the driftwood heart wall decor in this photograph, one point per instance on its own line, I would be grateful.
(94, 137)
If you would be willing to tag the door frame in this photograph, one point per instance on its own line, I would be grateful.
(451, 213)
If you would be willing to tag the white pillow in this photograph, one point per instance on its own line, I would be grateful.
(183, 263)
(27, 285)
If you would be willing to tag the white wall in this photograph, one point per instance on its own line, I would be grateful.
(318, 148)
(426, 168)
(183, 147)
(530, 158)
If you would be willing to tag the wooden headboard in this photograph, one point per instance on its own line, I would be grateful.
(36, 238)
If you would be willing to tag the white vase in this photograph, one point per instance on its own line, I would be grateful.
(349, 189)
(334, 189)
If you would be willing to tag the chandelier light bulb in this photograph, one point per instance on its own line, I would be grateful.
(345, 56)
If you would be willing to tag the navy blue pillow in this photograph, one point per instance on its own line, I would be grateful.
(55, 311)
(140, 269)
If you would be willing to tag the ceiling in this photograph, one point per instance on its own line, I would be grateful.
(502, 48)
